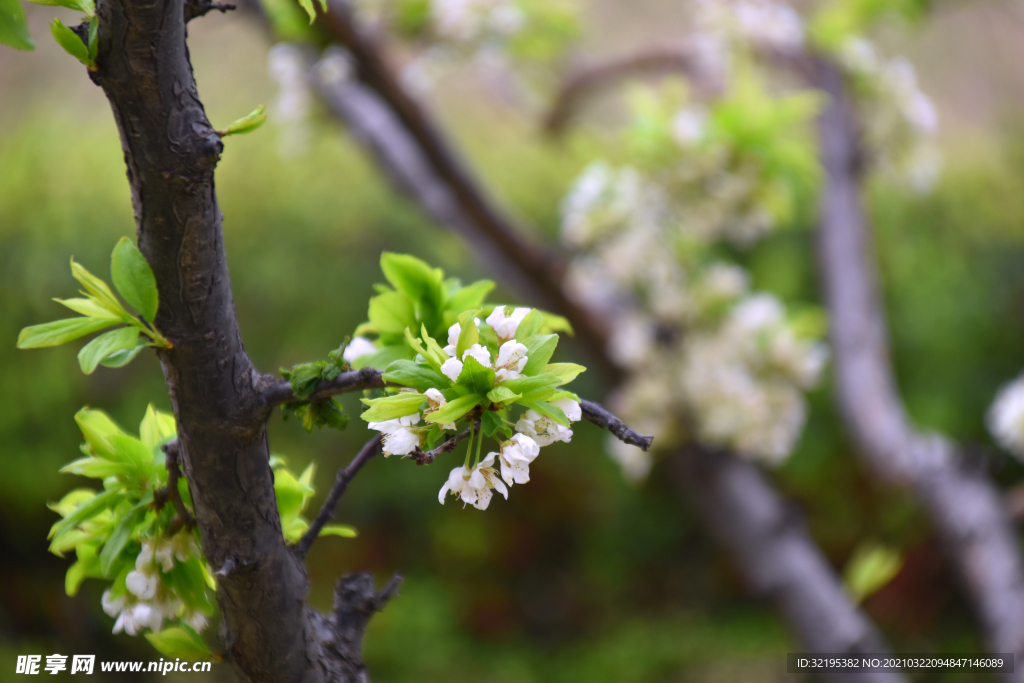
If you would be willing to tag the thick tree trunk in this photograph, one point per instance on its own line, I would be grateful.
(170, 149)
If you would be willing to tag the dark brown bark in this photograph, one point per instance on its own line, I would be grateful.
(170, 149)
(966, 509)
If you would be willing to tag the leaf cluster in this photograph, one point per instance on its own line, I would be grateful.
(100, 309)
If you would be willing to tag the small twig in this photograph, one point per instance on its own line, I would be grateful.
(346, 475)
(355, 380)
(599, 415)
(422, 457)
(198, 8)
(184, 518)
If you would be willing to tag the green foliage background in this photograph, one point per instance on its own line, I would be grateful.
(579, 576)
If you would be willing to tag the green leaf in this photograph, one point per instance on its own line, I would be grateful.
(121, 339)
(71, 500)
(119, 539)
(61, 331)
(391, 407)
(71, 43)
(246, 124)
(291, 495)
(432, 344)
(470, 296)
(392, 312)
(469, 335)
(118, 359)
(96, 287)
(86, 510)
(491, 423)
(89, 308)
(565, 372)
(412, 276)
(131, 451)
(432, 359)
(156, 427)
(410, 374)
(177, 642)
(97, 429)
(532, 324)
(338, 530)
(96, 468)
(310, 10)
(475, 376)
(93, 44)
(536, 388)
(13, 30)
(548, 410)
(383, 358)
(870, 567)
(134, 279)
(88, 565)
(539, 350)
(557, 323)
(455, 409)
(502, 394)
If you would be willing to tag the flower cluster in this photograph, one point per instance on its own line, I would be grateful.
(494, 376)
(148, 600)
(1006, 417)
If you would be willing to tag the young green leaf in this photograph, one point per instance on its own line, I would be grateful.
(539, 349)
(502, 394)
(156, 427)
(470, 333)
(119, 359)
(13, 30)
(121, 339)
(566, 372)
(432, 344)
(246, 124)
(536, 388)
(134, 279)
(391, 407)
(310, 10)
(548, 410)
(97, 428)
(119, 538)
(176, 642)
(97, 288)
(470, 296)
(475, 376)
(71, 43)
(86, 6)
(89, 308)
(392, 312)
(412, 276)
(410, 374)
(432, 359)
(93, 44)
(490, 423)
(529, 326)
(60, 331)
(87, 510)
(456, 409)
(338, 530)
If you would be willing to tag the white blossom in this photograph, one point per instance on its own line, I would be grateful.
(482, 355)
(1006, 417)
(505, 326)
(515, 457)
(195, 619)
(452, 368)
(474, 484)
(357, 348)
(399, 436)
(435, 400)
(570, 407)
(141, 584)
(510, 361)
(453, 337)
(543, 430)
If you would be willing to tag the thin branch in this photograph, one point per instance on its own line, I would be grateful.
(967, 510)
(599, 415)
(585, 80)
(356, 380)
(184, 518)
(344, 476)
(199, 8)
(426, 457)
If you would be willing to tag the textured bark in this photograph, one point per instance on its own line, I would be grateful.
(776, 558)
(966, 509)
(170, 150)
(775, 555)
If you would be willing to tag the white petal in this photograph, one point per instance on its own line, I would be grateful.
(402, 442)
(119, 624)
(452, 368)
(444, 490)
(359, 346)
(482, 500)
(137, 583)
(500, 488)
(482, 355)
(453, 335)
(570, 407)
(435, 396)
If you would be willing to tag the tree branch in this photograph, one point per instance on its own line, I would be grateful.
(422, 457)
(184, 517)
(280, 392)
(599, 415)
(586, 80)
(171, 150)
(965, 507)
(773, 552)
(341, 481)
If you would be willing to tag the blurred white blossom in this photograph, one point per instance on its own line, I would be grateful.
(1006, 417)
